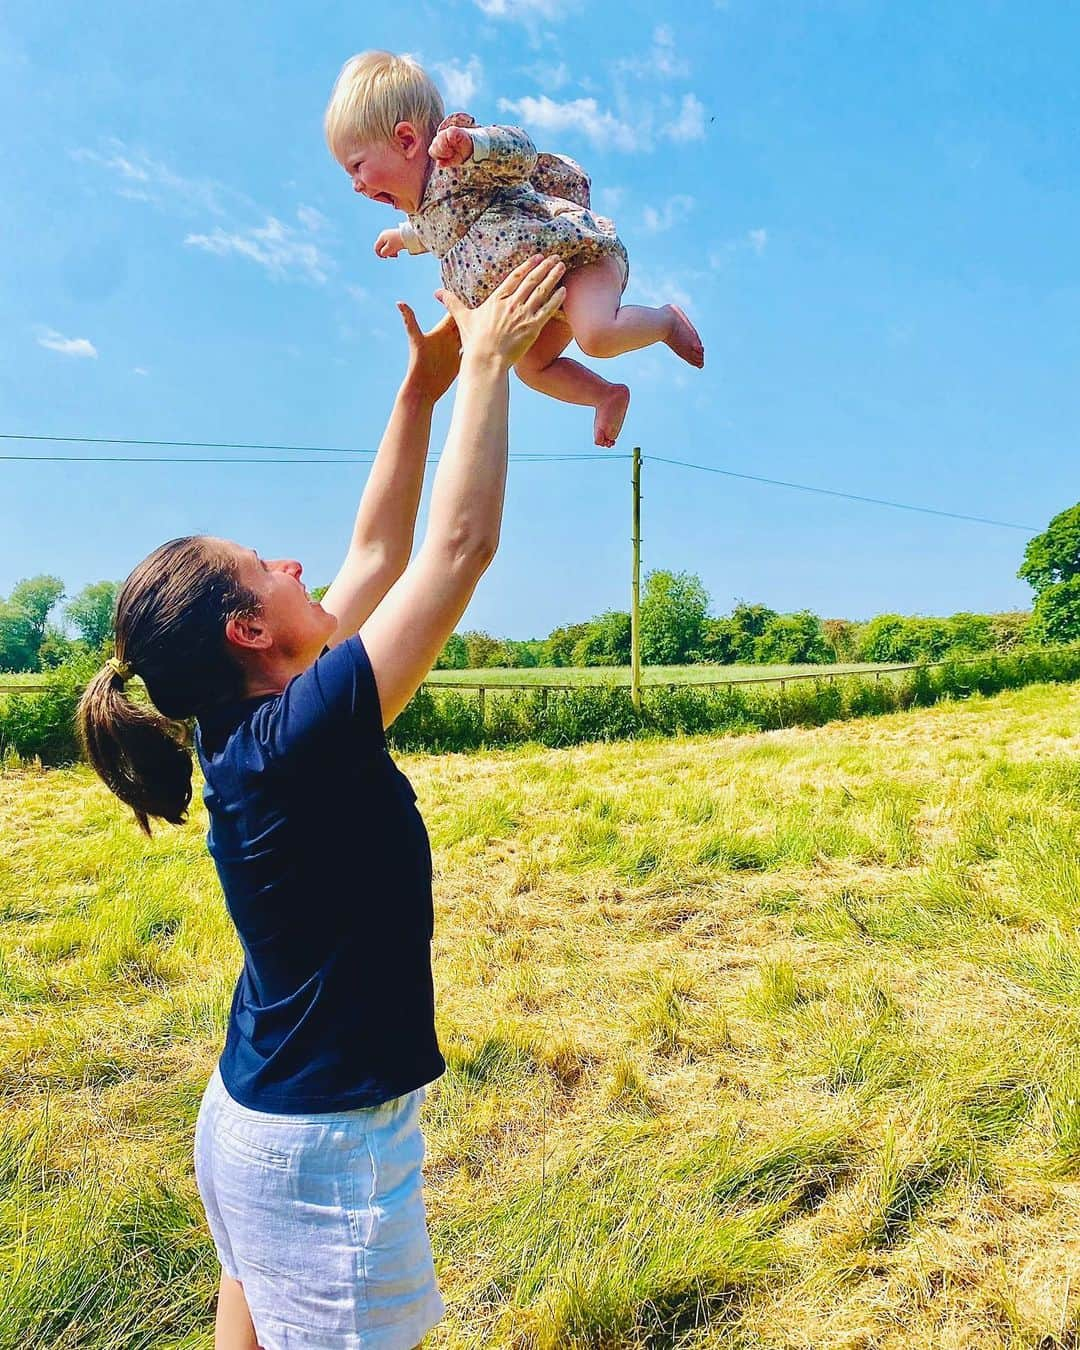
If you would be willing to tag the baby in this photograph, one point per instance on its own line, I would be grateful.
(482, 200)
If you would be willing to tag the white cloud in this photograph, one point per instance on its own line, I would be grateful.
(460, 82)
(674, 212)
(661, 62)
(142, 178)
(356, 293)
(607, 199)
(140, 370)
(659, 287)
(311, 219)
(281, 249)
(757, 239)
(602, 128)
(549, 77)
(278, 248)
(522, 10)
(57, 342)
(690, 123)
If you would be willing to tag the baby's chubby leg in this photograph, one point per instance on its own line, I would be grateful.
(603, 327)
(544, 368)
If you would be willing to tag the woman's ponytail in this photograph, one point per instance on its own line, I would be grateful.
(170, 631)
(139, 755)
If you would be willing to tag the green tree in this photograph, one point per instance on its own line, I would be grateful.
(1053, 556)
(884, 639)
(1057, 612)
(91, 612)
(720, 641)
(792, 639)
(22, 621)
(56, 648)
(1051, 567)
(750, 622)
(842, 636)
(673, 611)
(606, 641)
(481, 647)
(559, 644)
(454, 655)
(971, 633)
(1010, 630)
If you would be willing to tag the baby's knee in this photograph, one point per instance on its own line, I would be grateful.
(597, 340)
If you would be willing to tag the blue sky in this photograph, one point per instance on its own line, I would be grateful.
(869, 208)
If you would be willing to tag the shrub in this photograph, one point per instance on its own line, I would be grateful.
(446, 719)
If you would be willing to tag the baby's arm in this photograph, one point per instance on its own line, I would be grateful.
(390, 243)
(500, 153)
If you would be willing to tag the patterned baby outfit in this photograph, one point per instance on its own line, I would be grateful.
(501, 206)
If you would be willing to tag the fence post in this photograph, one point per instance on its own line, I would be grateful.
(480, 704)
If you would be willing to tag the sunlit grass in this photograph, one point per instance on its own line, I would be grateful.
(768, 1042)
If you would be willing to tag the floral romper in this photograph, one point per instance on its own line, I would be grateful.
(504, 204)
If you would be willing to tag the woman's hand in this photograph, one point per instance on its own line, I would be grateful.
(509, 321)
(434, 357)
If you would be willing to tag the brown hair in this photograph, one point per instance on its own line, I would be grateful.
(170, 631)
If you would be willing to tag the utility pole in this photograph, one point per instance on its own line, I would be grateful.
(635, 590)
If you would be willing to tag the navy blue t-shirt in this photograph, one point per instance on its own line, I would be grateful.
(326, 868)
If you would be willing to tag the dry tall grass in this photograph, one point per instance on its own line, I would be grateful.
(756, 1042)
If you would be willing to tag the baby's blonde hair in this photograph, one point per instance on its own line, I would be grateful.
(374, 92)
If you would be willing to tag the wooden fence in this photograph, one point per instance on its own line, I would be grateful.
(480, 689)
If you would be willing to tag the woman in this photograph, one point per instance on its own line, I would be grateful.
(307, 1146)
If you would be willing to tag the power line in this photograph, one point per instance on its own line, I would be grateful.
(523, 458)
(231, 445)
(848, 496)
(360, 456)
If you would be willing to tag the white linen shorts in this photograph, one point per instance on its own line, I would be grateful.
(321, 1219)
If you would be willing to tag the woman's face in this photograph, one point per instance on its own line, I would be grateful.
(297, 625)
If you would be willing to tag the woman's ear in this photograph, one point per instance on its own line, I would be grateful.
(249, 632)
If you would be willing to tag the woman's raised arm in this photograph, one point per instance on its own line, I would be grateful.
(407, 631)
(382, 536)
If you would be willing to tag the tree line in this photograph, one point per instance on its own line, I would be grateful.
(676, 626)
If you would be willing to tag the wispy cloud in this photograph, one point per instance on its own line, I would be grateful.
(139, 177)
(57, 342)
(523, 11)
(140, 370)
(460, 80)
(607, 199)
(690, 123)
(659, 287)
(673, 212)
(550, 77)
(661, 61)
(582, 115)
(281, 250)
(753, 241)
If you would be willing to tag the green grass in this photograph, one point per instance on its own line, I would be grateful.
(620, 675)
(766, 1042)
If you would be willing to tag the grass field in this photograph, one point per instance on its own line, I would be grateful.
(574, 675)
(760, 1042)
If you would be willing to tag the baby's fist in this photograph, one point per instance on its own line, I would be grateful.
(389, 244)
(451, 147)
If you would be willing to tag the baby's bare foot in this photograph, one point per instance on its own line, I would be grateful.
(610, 412)
(683, 338)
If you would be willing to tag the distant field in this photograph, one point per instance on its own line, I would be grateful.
(582, 675)
(702, 674)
